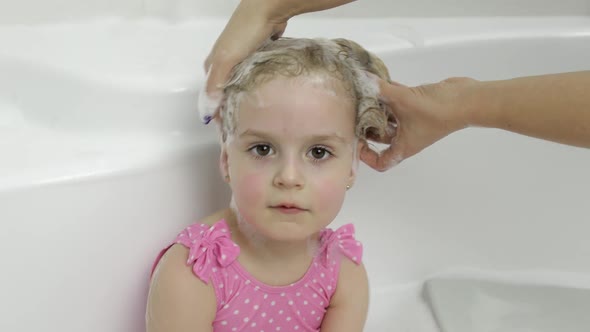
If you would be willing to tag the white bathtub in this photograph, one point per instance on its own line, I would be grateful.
(103, 160)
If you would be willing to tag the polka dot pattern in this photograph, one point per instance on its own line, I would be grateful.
(246, 304)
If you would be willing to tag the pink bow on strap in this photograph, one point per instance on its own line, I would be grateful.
(210, 248)
(342, 240)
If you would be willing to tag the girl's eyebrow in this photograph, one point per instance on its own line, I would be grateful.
(321, 138)
(254, 133)
(332, 137)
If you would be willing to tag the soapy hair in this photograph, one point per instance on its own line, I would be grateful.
(345, 61)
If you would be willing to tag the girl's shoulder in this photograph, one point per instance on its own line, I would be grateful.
(206, 245)
(340, 242)
(175, 295)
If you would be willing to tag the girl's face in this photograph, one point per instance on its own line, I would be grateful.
(291, 156)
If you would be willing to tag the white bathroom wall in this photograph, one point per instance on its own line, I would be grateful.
(39, 11)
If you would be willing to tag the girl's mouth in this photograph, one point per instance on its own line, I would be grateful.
(288, 209)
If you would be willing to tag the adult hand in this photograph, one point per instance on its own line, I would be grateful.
(553, 107)
(253, 23)
(424, 114)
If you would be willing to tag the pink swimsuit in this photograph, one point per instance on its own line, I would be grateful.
(246, 304)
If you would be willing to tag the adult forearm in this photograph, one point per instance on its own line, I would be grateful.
(554, 107)
(285, 9)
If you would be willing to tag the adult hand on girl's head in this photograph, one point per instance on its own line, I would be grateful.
(424, 115)
(253, 23)
(249, 27)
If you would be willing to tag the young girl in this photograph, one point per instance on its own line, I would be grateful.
(294, 117)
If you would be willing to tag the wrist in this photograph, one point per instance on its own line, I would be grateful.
(280, 11)
(273, 11)
(481, 104)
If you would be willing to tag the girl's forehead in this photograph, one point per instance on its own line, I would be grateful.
(295, 105)
(299, 92)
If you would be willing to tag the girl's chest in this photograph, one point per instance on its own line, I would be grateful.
(248, 305)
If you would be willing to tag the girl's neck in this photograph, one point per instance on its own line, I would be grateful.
(270, 250)
(275, 263)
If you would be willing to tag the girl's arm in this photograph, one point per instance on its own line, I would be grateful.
(178, 301)
(348, 308)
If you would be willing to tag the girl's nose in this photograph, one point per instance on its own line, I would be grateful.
(289, 175)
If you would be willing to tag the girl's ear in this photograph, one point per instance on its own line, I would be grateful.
(224, 163)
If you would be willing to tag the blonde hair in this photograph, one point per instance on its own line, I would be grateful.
(344, 60)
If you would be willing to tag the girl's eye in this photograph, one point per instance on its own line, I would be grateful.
(319, 153)
(261, 150)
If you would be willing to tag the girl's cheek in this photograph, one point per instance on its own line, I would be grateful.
(249, 188)
(330, 193)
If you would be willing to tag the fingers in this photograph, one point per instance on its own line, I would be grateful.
(390, 91)
(389, 94)
(384, 160)
(209, 103)
(233, 46)
(279, 31)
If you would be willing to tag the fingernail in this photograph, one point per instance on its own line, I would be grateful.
(207, 119)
